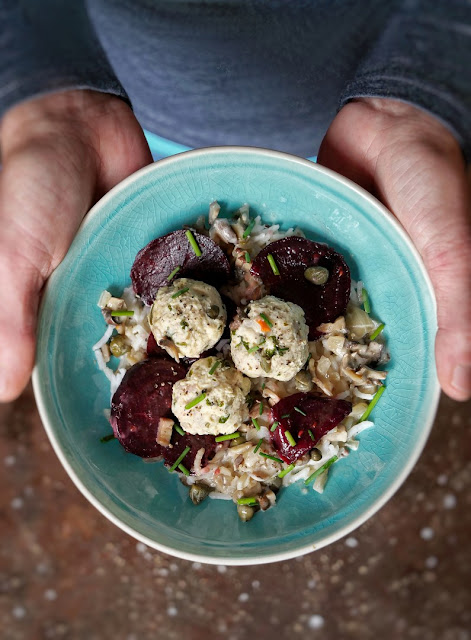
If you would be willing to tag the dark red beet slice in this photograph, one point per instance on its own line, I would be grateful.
(143, 397)
(153, 348)
(157, 260)
(322, 415)
(179, 443)
(321, 303)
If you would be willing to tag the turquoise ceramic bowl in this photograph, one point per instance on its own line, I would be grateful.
(144, 499)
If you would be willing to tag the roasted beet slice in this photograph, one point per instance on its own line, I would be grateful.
(143, 397)
(321, 303)
(179, 443)
(153, 348)
(322, 415)
(157, 260)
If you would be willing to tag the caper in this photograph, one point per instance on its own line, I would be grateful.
(317, 275)
(245, 512)
(213, 312)
(303, 381)
(118, 346)
(198, 493)
(316, 455)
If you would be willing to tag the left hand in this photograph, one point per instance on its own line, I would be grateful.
(413, 164)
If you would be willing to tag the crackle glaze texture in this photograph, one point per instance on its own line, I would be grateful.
(147, 500)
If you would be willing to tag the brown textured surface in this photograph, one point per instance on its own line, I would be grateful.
(66, 572)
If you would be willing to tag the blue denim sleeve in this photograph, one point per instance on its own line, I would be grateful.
(423, 57)
(50, 46)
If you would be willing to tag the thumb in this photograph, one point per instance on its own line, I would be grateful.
(417, 171)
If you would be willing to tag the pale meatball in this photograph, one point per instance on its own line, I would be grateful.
(215, 394)
(187, 318)
(271, 340)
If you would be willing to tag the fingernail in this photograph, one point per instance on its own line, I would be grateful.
(461, 379)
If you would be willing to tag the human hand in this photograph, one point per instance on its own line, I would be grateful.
(60, 153)
(414, 165)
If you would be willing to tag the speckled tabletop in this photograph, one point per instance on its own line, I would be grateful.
(66, 572)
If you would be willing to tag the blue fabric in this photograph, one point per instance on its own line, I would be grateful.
(252, 72)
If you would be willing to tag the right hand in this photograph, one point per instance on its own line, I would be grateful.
(60, 154)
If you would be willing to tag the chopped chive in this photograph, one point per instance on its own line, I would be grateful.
(255, 423)
(273, 265)
(260, 409)
(179, 459)
(372, 404)
(286, 415)
(310, 434)
(258, 445)
(318, 472)
(274, 426)
(266, 319)
(194, 244)
(122, 313)
(214, 367)
(377, 331)
(178, 429)
(283, 473)
(174, 272)
(266, 455)
(366, 300)
(180, 292)
(194, 402)
(250, 501)
(263, 386)
(107, 438)
(247, 257)
(248, 231)
(253, 349)
(299, 411)
(290, 438)
(230, 436)
(183, 469)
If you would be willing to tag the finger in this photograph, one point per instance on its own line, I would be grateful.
(424, 183)
(43, 197)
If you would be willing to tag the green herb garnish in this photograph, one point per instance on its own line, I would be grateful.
(284, 472)
(318, 472)
(266, 455)
(194, 402)
(290, 438)
(214, 367)
(223, 420)
(230, 436)
(107, 438)
(266, 319)
(372, 404)
(299, 411)
(366, 300)
(248, 230)
(178, 429)
(255, 423)
(286, 415)
(122, 313)
(183, 324)
(377, 331)
(183, 469)
(193, 243)
(180, 292)
(174, 272)
(273, 265)
(247, 257)
(250, 501)
(274, 426)
(260, 409)
(258, 445)
(179, 459)
(253, 349)
(310, 434)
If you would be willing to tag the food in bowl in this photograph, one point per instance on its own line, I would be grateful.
(244, 359)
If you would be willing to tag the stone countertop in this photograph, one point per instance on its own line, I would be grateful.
(66, 572)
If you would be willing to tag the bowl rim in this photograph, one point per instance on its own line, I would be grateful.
(366, 513)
